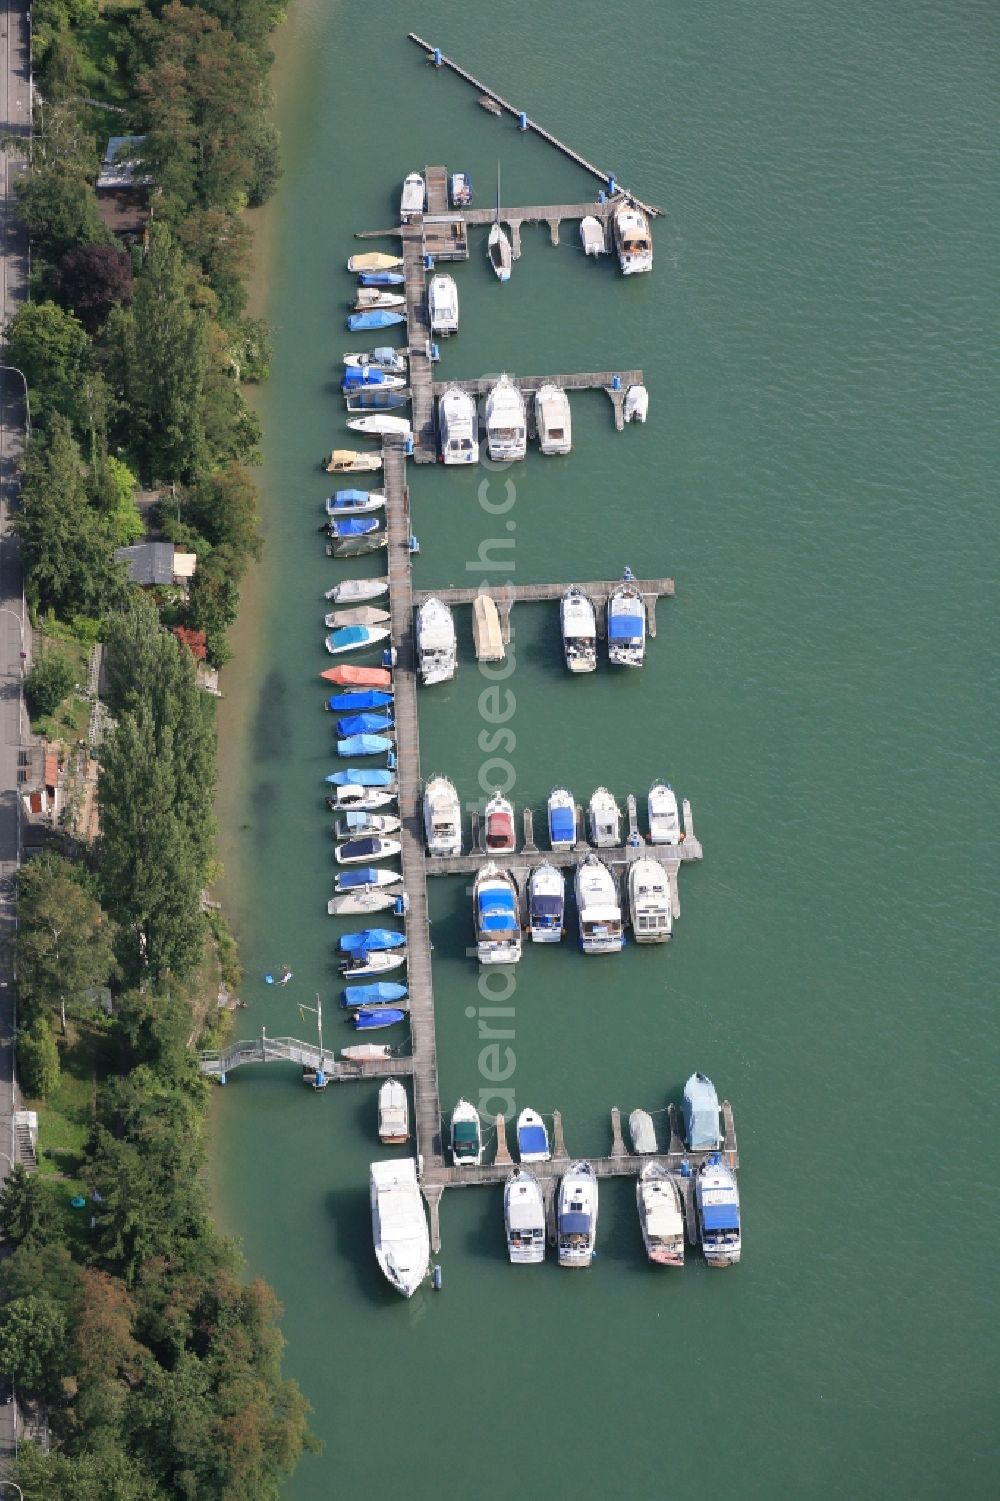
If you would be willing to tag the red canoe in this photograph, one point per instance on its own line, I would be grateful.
(364, 677)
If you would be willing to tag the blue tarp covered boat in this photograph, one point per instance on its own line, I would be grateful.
(360, 698)
(374, 939)
(381, 279)
(364, 724)
(366, 375)
(497, 912)
(363, 776)
(379, 993)
(562, 825)
(370, 1021)
(625, 628)
(364, 745)
(532, 1142)
(354, 503)
(366, 875)
(701, 1113)
(352, 526)
(374, 318)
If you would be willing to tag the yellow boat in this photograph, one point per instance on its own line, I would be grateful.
(350, 461)
(375, 261)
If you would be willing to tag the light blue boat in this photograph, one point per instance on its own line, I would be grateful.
(361, 698)
(364, 745)
(374, 318)
(364, 724)
(381, 279)
(701, 1113)
(354, 503)
(372, 940)
(363, 776)
(352, 526)
(380, 993)
(350, 637)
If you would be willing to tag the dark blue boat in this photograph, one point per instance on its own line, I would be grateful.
(364, 724)
(373, 940)
(381, 279)
(370, 1021)
(361, 698)
(352, 526)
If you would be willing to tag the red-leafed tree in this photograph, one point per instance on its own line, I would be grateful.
(193, 640)
(91, 280)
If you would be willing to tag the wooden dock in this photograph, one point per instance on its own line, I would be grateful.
(614, 384)
(219, 1063)
(418, 333)
(551, 214)
(598, 591)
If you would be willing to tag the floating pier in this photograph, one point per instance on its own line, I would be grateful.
(614, 384)
(598, 591)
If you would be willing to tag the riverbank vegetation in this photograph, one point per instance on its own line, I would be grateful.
(151, 1367)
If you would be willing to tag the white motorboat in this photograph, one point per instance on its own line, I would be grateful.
(487, 633)
(357, 589)
(718, 1202)
(597, 907)
(363, 847)
(636, 405)
(362, 901)
(576, 1219)
(442, 304)
(642, 1132)
(633, 240)
(399, 1225)
(354, 503)
(351, 461)
(413, 197)
(664, 819)
(362, 965)
(458, 424)
(384, 358)
(626, 624)
(532, 1137)
(498, 250)
(562, 819)
(366, 298)
(359, 799)
(592, 236)
(546, 904)
(393, 1114)
(524, 1218)
(357, 615)
(466, 1135)
(437, 644)
(364, 1052)
(380, 425)
(578, 621)
(359, 825)
(700, 1107)
(497, 916)
(506, 424)
(649, 901)
(442, 817)
(500, 836)
(605, 818)
(372, 876)
(375, 260)
(353, 637)
(661, 1216)
(552, 419)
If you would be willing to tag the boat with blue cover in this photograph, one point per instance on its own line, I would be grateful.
(363, 776)
(701, 1114)
(354, 502)
(356, 823)
(358, 376)
(352, 526)
(546, 904)
(362, 698)
(626, 624)
(366, 875)
(718, 1203)
(364, 724)
(497, 917)
(372, 938)
(381, 1016)
(353, 637)
(562, 819)
(381, 279)
(576, 1218)
(381, 993)
(374, 318)
(364, 745)
(532, 1137)
(366, 847)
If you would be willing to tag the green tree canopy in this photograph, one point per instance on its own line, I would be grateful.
(33, 1344)
(65, 944)
(28, 1213)
(53, 350)
(59, 210)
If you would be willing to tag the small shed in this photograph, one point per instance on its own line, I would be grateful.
(148, 563)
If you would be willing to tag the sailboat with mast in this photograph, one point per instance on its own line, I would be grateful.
(498, 246)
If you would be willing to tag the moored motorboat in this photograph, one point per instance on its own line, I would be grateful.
(350, 590)
(356, 615)
(497, 916)
(578, 622)
(437, 644)
(356, 824)
(381, 279)
(546, 904)
(661, 1216)
(345, 676)
(664, 819)
(458, 425)
(442, 817)
(365, 847)
(355, 699)
(500, 836)
(597, 906)
(362, 902)
(376, 939)
(355, 542)
(532, 1137)
(379, 993)
(399, 1224)
(498, 250)
(700, 1105)
(636, 404)
(524, 1218)
(354, 637)
(506, 424)
(592, 236)
(364, 744)
(442, 304)
(377, 297)
(413, 197)
(376, 399)
(365, 1052)
(383, 357)
(364, 776)
(380, 425)
(466, 1135)
(368, 1020)
(718, 1203)
(393, 1114)
(649, 901)
(374, 318)
(365, 875)
(364, 965)
(375, 260)
(368, 722)
(642, 1132)
(562, 819)
(552, 419)
(487, 633)
(633, 240)
(460, 190)
(355, 502)
(576, 1217)
(351, 461)
(359, 799)
(605, 819)
(359, 377)
(626, 624)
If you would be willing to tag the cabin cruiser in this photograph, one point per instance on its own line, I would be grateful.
(442, 817)
(353, 637)
(377, 297)
(597, 906)
(393, 1114)
(384, 357)
(349, 590)
(592, 236)
(399, 1225)
(354, 502)
(636, 404)
(605, 820)
(579, 630)
(367, 847)
(437, 645)
(633, 240)
(359, 799)
(487, 633)
(442, 304)
(381, 424)
(375, 260)
(362, 825)
(664, 822)
(458, 424)
(524, 1218)
(700, 1105)
(363, 965)
(358, 615)
(532, 1137)
(649, 901)
(576, 1219)
(661, 1216)
(500, 836)
(718, 1203)
(351, 461)
(562, 819)
(363, 901)
(460, 189)
(546, 904)
(365, 875)
(642, 1132)
(497, 917)
(626, 624)
(506, 427)
(466, 1135)
(413, 197)
(552, 419)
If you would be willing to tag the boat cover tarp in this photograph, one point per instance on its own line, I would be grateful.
(362, 776)
(366, 1021)
(367, 846)
(532, 1139)
(574, 1223)
(562, 824)
(498, 922)
(720, 1217)
(348, 497)
(642, 1131)
(374, 318)
(371, 995)
(381, 278)
(363, 375)
(350, 635)
(354, 526)
(365, 875)
(362, 698)
(364, 745)
(625, 628)
(546, 906)
(701, 1112)
(372, 938)
(364, 724)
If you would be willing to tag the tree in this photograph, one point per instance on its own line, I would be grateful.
(91, 280)
(64, 941)
(33, 1345)
(193, 640)
(28, 1213)
(53, 350)
(47, 684)
(58, 208)
(37, 1059)
(219, 243)
(108, 1476)
(223, 508)
(214, 603)
(114, 486)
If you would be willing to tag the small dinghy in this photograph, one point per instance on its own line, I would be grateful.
(361, 677)
(372, 938)
(356, 615)
(374, 318)
(359, 698)
(367, 723)
(358, 589)
(592, 236)
(642, 1132)
(375, 260)
(363, 776)
(366, 875)
(382, 993)
(350, 461)
(532, 1137)
(366, 847)
(354, 502)
(378, 424)
(383, 1016)
(466, 1135)
(353, 637)
(364, 745)
(393, 1114)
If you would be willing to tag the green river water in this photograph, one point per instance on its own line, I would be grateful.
(818, 474)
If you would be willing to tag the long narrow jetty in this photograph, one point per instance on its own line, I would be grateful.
(418, 333)
(440, 60)
(506, 596)
(614, 384)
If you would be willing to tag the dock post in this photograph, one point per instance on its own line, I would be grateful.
(502, 1157)
(677, 1147)
(554, 230)
(515, 239)
(432, 1193)
(559, 1149)
(650, 601)
(549, 1195)
(617, 1143)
